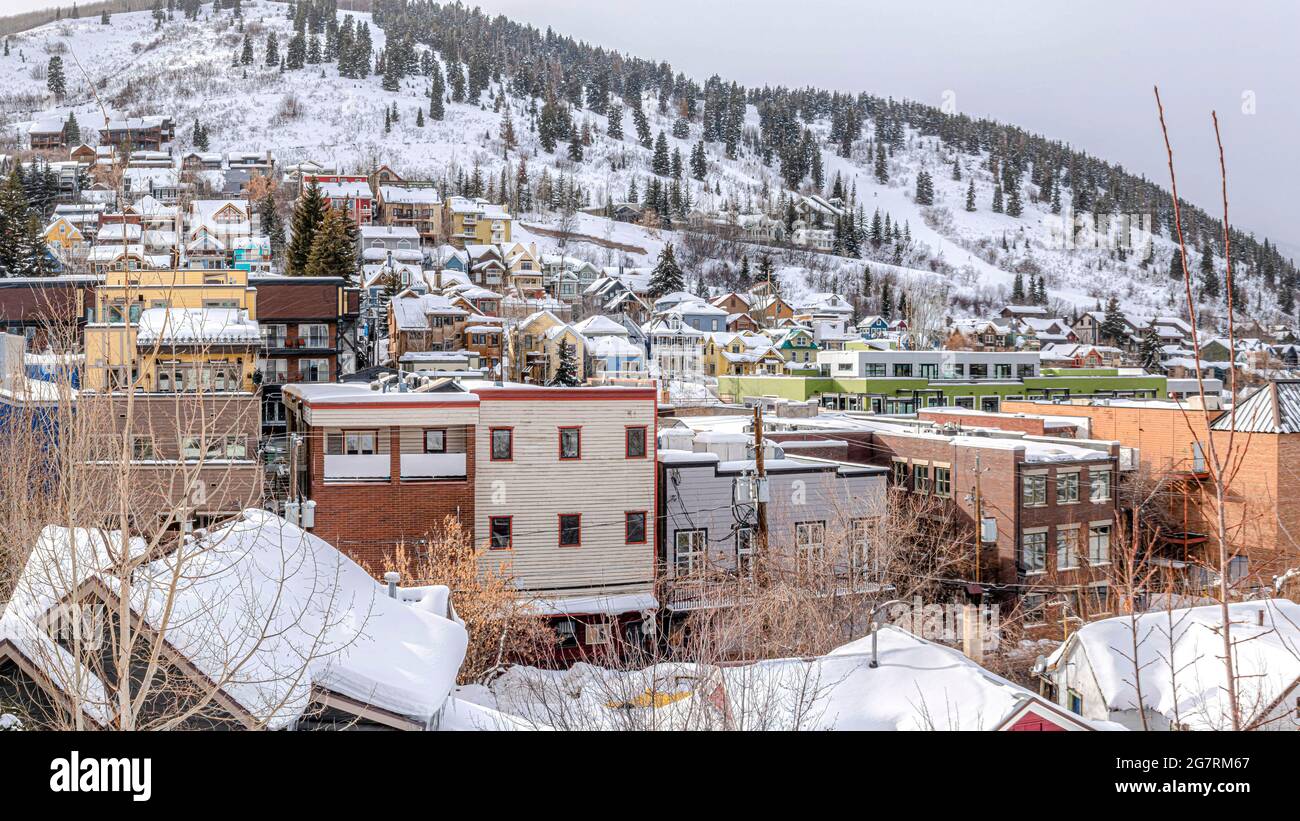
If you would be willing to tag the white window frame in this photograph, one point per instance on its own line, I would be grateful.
(694, 549)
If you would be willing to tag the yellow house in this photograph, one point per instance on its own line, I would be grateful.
(64, 234)
(742, 354)
(476, 222)
(173, 331)
(535, 348)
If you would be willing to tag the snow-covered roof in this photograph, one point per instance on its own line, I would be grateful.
(265, 611)
(402, 195)
(196, 326)
(411, 313)
(600, 325)
(1180, 658)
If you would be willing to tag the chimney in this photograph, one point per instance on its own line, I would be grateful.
(972, 633)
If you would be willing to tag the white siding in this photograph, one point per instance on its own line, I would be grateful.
(536, 486)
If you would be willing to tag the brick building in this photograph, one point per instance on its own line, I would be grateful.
(557, 483)
(305, 322)
(1048, 504)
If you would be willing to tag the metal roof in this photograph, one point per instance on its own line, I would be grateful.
(1274, 408)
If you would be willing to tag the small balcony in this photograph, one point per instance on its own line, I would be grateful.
(432, 466)
(358, 468)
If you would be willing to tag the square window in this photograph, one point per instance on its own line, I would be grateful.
(503, 444)
(634, 440)
(634, 527)
(1033, 552)
(435, 440)
(1035, 490)
(1067, 488)
(598, 634)
(359, 442)
(570, 443)
(570, 529)
(502, 532)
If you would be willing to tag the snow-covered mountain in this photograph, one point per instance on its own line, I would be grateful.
(961, 259)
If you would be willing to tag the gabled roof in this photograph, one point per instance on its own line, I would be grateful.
(1274, 408)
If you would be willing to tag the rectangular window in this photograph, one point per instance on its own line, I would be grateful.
(1099, 544)
(1075, 701)
(503, 444)
(1033, 552)
(1067, 548)
(1099, 490)
(634, 527)
(598, 634)
(1035, 490)
(142, 448)
(570, 443)
(903, 369)
(314, 336)
(929, 371)
(689, 551)
(1099, 598)
(634, 442)
(502, 532)
(810, 542)
(979, 371)
(862, 560)
(1002, 371)
(359, 442)
(314, 370)
(921, 478)
(570, 529)
(942, 481)
(435, 440)
(873, 369)
(1033, 607)
(1067, 488)
(900, 473)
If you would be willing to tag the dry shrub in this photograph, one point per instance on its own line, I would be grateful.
(501, 628)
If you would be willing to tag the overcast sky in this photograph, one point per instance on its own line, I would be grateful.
(1079, 72)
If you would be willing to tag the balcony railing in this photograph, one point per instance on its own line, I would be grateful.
(433, 466)
(358, 468)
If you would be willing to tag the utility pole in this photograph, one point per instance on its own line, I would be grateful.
(760, 498)
(979, 519)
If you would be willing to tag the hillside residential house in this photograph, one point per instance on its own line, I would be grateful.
(558, 483)
(346, 656)
(1180, 668)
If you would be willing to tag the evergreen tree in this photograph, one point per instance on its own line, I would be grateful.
(666, 277)
(308, 214)
(970, 195)
(661, 163)
(699, 165)
(997, 199)
(103, 21)
(54, 79)
(882, 170)
(1149, 352)
(14, 212)
(1018, 290)
(436, 94)
(71, 130)
(566, 371)
(1112, 326)
(272, 225)
(1209, 275)
(1014, 206)
(272, 50)
(615, 115)
(419, 118)
(332, 253)
(575, 150)
(246, 57)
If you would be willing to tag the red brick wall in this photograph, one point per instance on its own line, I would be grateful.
(367, 520)
(1023, 424)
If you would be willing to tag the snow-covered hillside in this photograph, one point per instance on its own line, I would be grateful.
(190, 71)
